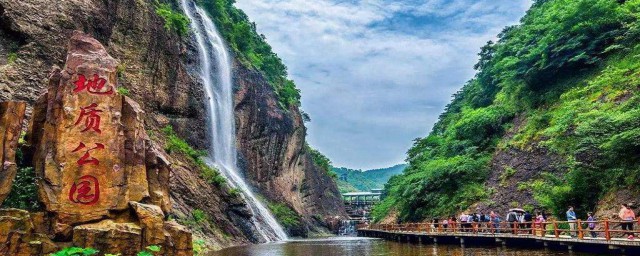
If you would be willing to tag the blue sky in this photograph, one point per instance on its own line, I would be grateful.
(377, 74)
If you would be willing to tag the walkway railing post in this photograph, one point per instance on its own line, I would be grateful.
(555, 229)
(607, 234)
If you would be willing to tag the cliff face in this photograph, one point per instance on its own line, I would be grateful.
(272, 153)
(158, 68)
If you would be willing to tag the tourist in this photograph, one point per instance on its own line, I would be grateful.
(521, 225)
(512, 218)
(445, 224)
(627, 216)
(470, 222)
(592, 224)
(463, 222)
(435, 223)
(453, 223)
(484, 222)
(540, 223)
(545, 217)
(495, 219)
(528, 219)
(571, 218)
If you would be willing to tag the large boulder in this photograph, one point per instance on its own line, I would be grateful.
(102, 181)
(81, 158)
(11, 117)
(108, 236)
(19, 234)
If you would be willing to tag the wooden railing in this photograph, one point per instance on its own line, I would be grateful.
(603, 229)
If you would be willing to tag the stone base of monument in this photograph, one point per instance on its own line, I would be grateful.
(25, 233)
(102, 182)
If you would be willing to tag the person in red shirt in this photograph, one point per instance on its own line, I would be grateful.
(628, 217)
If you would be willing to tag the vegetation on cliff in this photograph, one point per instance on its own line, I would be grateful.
(571, 71)
(173, 20)
(321, 161)
(350, 180)
(251, 48)
(179, 145)
(286, 216)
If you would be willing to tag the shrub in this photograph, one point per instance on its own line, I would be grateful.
(75, 251)
(178, 145)
(198, 247)
(122, 91)
(24, 191)
(12, 57)
(321, 161)
(199, 216)
(173, 20)
(285, 215)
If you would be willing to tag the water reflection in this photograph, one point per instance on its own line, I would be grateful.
(356, 246)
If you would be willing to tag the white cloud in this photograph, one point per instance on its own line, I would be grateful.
(376, 74)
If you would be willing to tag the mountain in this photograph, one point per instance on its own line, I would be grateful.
(350, 180)
(551, 119)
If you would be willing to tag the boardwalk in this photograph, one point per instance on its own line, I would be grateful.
(553, 237)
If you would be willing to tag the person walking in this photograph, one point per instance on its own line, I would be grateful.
(528, 220)
(495, 220)
(627, 216)
(512, 218)
(540, 223)
(592, 225)
(463, 222)
(571, 218)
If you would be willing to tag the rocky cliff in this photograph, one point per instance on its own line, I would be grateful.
(272, 153)
(157, 69)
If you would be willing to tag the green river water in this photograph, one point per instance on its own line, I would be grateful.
(357, 246)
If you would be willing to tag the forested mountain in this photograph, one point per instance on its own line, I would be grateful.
(551, 119)
(350, 180)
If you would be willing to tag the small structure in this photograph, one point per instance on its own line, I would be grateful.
(358, 204)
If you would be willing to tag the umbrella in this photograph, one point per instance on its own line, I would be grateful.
(517, 210)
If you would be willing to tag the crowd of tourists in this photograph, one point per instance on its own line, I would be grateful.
(518, 220)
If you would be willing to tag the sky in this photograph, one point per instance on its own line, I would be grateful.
(376, 74)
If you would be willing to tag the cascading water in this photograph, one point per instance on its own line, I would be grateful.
(219, 88)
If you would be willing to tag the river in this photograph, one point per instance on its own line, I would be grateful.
(358, 246)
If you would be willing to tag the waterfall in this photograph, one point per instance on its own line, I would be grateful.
(215, 70)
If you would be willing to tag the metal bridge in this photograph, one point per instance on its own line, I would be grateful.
(358, 204)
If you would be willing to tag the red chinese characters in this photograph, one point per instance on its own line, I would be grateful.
(93, 86)
(91, 118)
(85, 191)
(86, 157)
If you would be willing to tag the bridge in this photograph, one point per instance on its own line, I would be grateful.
(555, 235)
(358, 204)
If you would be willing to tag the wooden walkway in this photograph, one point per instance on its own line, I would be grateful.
(552, 237)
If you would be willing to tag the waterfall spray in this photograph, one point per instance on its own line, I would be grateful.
(215, 70)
